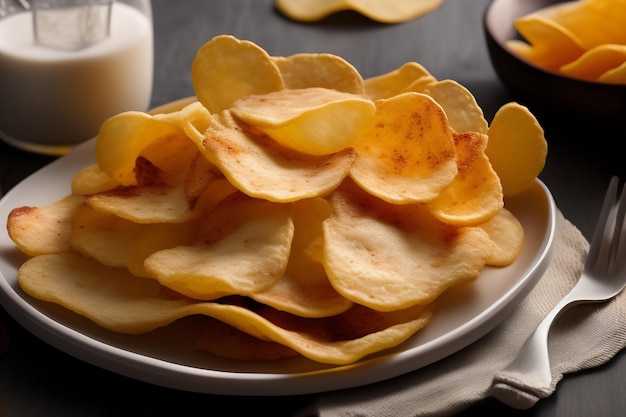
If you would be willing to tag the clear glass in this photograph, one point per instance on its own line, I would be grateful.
(68, 65)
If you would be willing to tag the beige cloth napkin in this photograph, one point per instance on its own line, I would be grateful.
(585, 336)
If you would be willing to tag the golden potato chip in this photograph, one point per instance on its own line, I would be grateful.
(616, 75)
(463, 112)
(118, 242)
(193, 119)
(91, 180)
(416, 159)
(389, 257)
(475, 194)
(319, 70)
(305, 290)
(592, 22)
(118, 301)
(593, 63)
(243, 249)
(226, 69)
(409, 77)
(507, 234)
(47, 229)
(517, 148)
(123, 137)
(145, 204)
(314, 121)
(259, 167)
(547, 44)
(390, 11)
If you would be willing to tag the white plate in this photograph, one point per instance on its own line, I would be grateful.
(166, 357)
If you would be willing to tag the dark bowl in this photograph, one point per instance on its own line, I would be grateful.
(546, 90)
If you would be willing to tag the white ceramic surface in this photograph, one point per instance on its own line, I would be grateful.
(166, 357)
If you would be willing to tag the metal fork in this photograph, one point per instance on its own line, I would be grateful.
(603, 277)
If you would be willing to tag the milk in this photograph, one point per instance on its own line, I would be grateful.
(51, 97)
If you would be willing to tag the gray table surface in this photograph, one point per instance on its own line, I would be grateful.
(38, 380)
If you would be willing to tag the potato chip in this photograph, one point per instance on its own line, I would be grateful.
(593, 63)
(91, 180)
(517, 147)
(193, 119)
(226, 69)
(389, 257)
(463, 112)
(305, 290)
(244, 249)
(319, 70)
(314, 121)
(543, 38)
(507, 234)
(409, 77)
(117, 242)
(592, 22)
(122, 139)
(145, 204)
(118, 301)
(261, 168)
(614, 76)
(416, 159)
(393, 11)
(475, 194)
(46, 229)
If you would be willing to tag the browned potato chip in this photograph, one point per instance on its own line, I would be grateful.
(416, 159)
(475, 194)
(389, 257)
(47, 229)
(261, 168)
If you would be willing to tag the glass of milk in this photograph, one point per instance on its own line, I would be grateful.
(68, 65)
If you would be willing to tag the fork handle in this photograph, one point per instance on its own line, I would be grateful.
(528, 378)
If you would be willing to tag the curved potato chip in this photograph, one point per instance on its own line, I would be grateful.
(123, 137)
(463, 112)
(193, 119)
(409, 77)
(388, 257)
(314, 121)
(226, 69)
(244, 249)
(118, 301)
(390, 11)
(475, 194)
(319, 70)
(593, 22)
(304, 290)
(259, 167)
(416, 159)
(593, 63)
(614, 76)
(517, 148)
(507, 234)
(543, 39)
(46, 229)
(91, 180)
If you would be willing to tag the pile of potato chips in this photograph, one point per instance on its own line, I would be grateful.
(583, 39)
(389, 11)
(298, 207)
